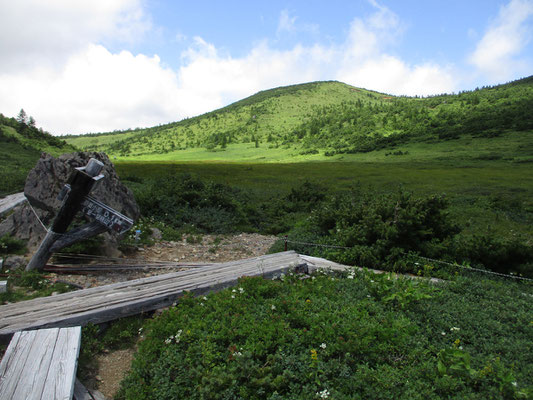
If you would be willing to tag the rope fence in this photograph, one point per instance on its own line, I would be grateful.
(287, 241)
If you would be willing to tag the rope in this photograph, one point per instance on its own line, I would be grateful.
(36, 215)
(477, 269)
(424, 258)
(317, 244)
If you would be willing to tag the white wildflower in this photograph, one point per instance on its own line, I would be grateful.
(273, 307)
(205, 298)
(323, 345)
(241, 290)
(443, 333)
(324, 394)
(232, 296)
(455, 329)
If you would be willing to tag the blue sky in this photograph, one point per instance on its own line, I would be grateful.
(79, 66)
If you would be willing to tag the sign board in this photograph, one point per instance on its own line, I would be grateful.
(105, 215)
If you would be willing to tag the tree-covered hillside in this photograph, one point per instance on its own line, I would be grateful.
(22, 143)
(270, 116)
(330, 118)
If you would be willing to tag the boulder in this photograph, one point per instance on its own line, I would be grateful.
(45, 182)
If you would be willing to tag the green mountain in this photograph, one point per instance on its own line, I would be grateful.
(324, 119)
(22, 144)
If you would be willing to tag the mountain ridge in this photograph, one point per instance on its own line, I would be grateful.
(328, 118)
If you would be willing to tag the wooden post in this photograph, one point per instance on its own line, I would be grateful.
(81, 182)
(286, 239)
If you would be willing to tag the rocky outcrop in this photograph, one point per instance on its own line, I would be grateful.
(45, 182)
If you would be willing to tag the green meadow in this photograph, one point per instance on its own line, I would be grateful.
(488, 181)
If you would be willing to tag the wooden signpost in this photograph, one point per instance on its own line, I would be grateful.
(76, 198)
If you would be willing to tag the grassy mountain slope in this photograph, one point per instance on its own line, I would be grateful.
(322, 120)
(269, 117)
(22, 145)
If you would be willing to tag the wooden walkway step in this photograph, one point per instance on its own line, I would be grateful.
(105, 303)
(40, 364)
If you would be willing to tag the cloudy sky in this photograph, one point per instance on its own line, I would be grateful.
(81, 66)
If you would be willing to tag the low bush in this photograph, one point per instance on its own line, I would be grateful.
(376, 230)
(355, 336)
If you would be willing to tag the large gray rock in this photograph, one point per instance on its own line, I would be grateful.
(42, 188)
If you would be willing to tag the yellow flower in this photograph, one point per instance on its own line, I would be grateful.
(314, 355)
(456, 343)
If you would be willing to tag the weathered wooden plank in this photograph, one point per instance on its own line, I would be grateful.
(37, 360)
(240, 267)
(127, 298)
(14, 362)
(11, 201)
(23, 307)
(59, 382)
(137, 305)
(144, 299)
(31, 381)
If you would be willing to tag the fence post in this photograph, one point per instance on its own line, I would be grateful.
(286, 240)
(81, 182)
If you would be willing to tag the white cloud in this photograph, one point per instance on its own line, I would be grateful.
(96, 91)
(48, 32)
(286, 22)
(497, 54)
(366, 63)
(88, 88)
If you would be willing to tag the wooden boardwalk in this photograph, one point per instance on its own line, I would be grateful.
(105, 303)
(11, 201)
(40, 364)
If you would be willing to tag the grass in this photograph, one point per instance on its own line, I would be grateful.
(15, 163)
(354, 336)
(29, 285)
(485, 194)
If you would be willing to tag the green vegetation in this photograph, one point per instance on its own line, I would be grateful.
(382, 178)
(11, 245)
(22, 144)
(324, 119)
(355, 336)
(266, 119)
(489, 200)
(29, 285)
